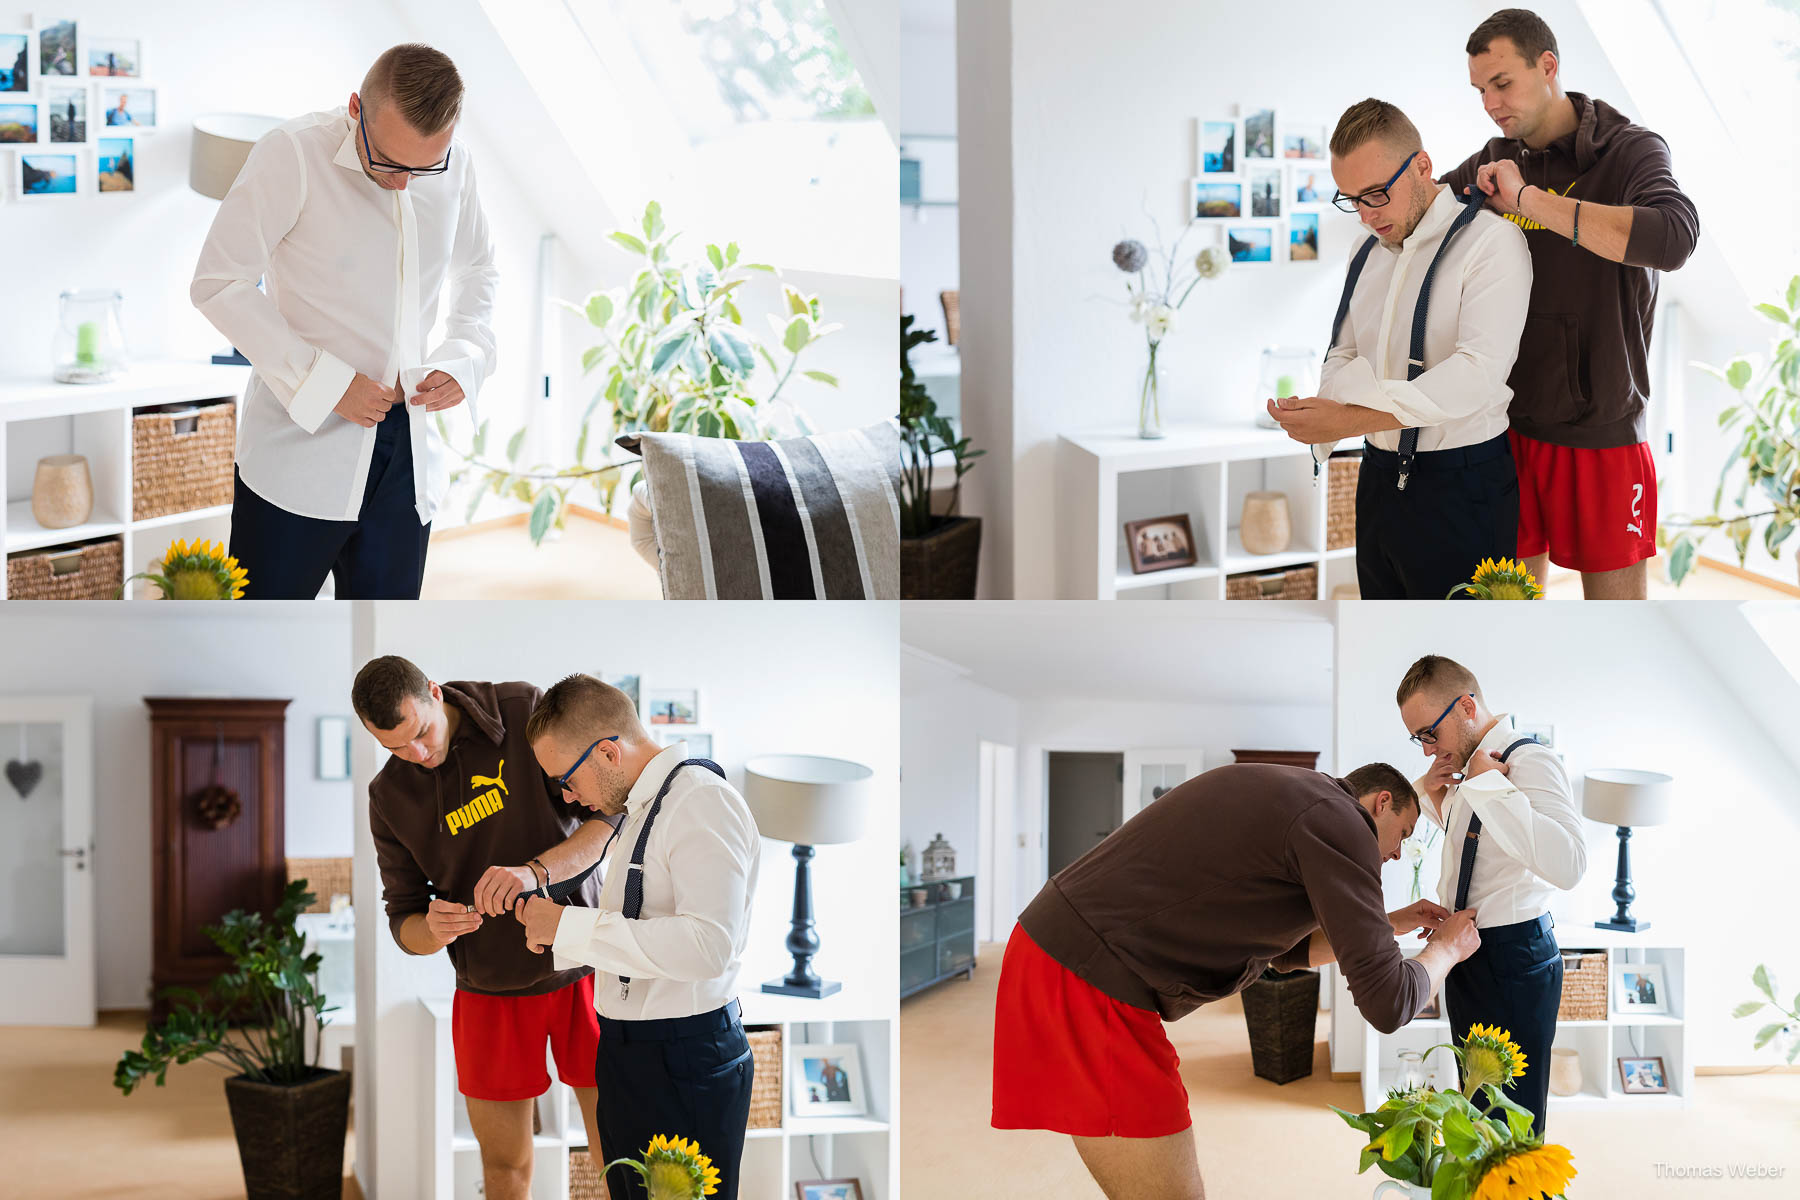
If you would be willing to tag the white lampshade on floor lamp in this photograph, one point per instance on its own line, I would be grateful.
(808, 801)
(1627, 799)
(222, 142)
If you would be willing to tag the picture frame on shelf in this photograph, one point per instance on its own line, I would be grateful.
(115, 166)
(1303, 237)
(21, 121)
(828, 1189)
(1259, 143)
(673, 706)
(68, 109)
(826, 1080)
(41, 174)
(1643, 1076)
(58, 48)
(126, 109)
(1216, 199)
(1161, 543)
(18, 62)
(1266, 185)
(109, 57)
(1250, 245)
(1639, 989)
(1309, 185)
(1217, 144)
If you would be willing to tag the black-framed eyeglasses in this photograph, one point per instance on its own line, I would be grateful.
(562, 781)
(387, 168)
(1374, 197)
(1429, 736)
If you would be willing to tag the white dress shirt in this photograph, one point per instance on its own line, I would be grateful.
(684, 951)
(352, 274)
(1478, 301)
(1531, 837)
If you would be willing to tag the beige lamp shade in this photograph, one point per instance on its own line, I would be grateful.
(221, 143)
(1615, 796)
(808, 800)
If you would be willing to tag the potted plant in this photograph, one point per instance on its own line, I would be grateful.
(290, 1115)
(1280, 1012)
(940, 553)
(1787, 1029)
(1766, 457)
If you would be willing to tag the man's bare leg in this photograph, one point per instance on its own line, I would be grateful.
(1164, 1168)
(588, 1101)
(503, 1129)
(1627, 583)
(1539, 566)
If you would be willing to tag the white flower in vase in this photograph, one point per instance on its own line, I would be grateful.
(1159, 320)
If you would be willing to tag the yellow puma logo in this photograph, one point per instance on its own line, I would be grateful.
(476, 781)
(482, 806)
(1522, 222)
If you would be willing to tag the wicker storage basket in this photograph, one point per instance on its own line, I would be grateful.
(1340, 501)
(584, 1177)
(291, 1139)
(324, 877)
(765, 1089)
(181, 459)
(1300, 583)
(1281, 1012)
(91, 571)
(1585, 983)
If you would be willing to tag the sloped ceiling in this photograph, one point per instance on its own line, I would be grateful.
(1725, 638)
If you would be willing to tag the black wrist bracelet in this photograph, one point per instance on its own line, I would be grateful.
(1519, 200)
(1576, 240)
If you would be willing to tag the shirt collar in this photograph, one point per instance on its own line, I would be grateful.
(655, 772)
(347, 156)
(1499, 737)
(1437, 218)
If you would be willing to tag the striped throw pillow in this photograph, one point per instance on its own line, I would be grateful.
(812, 518)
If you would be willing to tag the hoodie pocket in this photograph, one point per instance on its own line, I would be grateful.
(1546, 379)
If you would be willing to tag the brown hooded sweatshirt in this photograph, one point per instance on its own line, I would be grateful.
(1582, 377)
(488, 804)
(1223, 876)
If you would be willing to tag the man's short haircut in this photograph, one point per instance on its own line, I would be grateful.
(382, 685)
(421, 82)
(1379, 777)
(586, 708)
(1375, 120)
(1524, 28)
(1438, 677)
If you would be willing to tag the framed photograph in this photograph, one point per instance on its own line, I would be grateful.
(1542, 731)
(333, 757)
(1307, 141)
(127, 109)
(1217, 201)
(1259, 133)
(1309, 185)
(57, 57)
(675, 707)
(18, 66)
(115, 57)
(20, 122)
(1303, 237)
(116, 166)
(41, 174)
(1160, 543)
(1265, 190)
(1250, 244)
(827, 1189)
(826, 1080)
(1638, 989)
(630, 685)
(1643, 1076)
(1217, 151)
(699, 744)
(66, 112)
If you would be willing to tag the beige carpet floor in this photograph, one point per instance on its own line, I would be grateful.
(1706, 583)
(1257, 1139)
(591, 560)
(67, 1133)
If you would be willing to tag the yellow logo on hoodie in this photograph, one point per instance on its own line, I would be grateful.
(1526, 223)
(484, 805)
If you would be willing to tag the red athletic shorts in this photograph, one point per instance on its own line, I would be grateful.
(1069, 1058)
(1591, 510)
(499, 1041)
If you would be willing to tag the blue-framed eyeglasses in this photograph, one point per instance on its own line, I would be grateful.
(1429, 736)
(562, 781)
(1374, 197)
(387, 168)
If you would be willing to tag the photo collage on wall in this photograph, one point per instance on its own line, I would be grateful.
(1264, 181)
(72, 106)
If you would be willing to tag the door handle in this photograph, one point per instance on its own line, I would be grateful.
(79, 854)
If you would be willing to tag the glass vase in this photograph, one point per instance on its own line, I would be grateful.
(1150, 397)
(89, 346)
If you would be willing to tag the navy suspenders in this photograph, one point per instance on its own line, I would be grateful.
(1474, 838)
(634, 870)
(1415, 361)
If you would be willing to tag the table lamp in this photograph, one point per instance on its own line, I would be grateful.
(222, 142)
(1626, 799)
(808, 801)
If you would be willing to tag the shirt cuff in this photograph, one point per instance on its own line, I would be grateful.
(463, 370)
(324, 386)
(1480, 789)
(574, 932)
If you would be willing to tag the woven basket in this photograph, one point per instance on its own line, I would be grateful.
(1301, 583)
(765, 1086)
(324, 877)
(181, 459)
(291, 1139)
(1282, 1015)
(90, 571)
(1340, 501)
(584, 1177)
(1585, 983)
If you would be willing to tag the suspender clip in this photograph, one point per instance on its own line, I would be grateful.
(1401, 486)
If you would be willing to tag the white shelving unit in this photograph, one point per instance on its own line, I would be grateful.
(802, 1148)
(39, 416)
(1599, 1043)
(1113, 476)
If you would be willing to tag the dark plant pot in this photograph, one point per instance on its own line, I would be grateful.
(291, 1137)
(1281, 1012)
(942, 564)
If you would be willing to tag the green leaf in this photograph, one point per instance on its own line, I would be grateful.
(715, 258)
(1737, 374)
(1776, 533)
(824, 377)
(541, 514)
(797, 334)
(669, 351)
(1460, 1136)
(796, 303)
(1764, 982)
(1767, 1034)
(1777, 315)
(731, 254)
(599, 309)
(628, 241)
(592, 357)
(513, 445)
(1681, 559)
(1750, 1006)
(760, 267)
(653, 222)
(1793, 293)
(732, 350)
(709, 425)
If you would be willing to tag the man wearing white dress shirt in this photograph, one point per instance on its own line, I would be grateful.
(355, 220)
(667, 939)
(1438, 491)
(1512, 839)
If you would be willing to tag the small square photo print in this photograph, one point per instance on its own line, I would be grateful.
(19, 122)
(1643, 1076)
(1217, 201)
(1250, 243)
(675, 706)
(128, 108)
(826, 1080)
(44, 175)
(15, 61)
(117, 170)
(1303, 237)
(1639, 989)
(1259, 133)
(115, 57)
(66, 112)
(1218, 147)
(56, 48)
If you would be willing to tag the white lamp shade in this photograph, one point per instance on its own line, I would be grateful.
(1630, 798)
(807, 800)
(221, 143)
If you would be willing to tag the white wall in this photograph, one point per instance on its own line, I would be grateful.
(1624, 688)
(928, 236)
(119, 655)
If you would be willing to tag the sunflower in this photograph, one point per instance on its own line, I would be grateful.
(1490, 1056)
(674, 1169)
(201, 571)
(1524, 1173)
(1503, 580)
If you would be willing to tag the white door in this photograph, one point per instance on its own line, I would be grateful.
(47, 964)
(1150, 773)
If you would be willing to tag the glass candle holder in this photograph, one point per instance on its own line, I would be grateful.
(1287, 371)
(90, 338)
